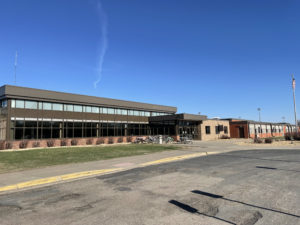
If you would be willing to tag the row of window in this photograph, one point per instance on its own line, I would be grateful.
(218, 129)
(26, 104)
(46, 129)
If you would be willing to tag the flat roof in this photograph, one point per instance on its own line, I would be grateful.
(17, 92)
(180, 116)
(233, 120)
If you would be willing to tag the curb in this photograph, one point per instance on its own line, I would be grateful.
(83, 174)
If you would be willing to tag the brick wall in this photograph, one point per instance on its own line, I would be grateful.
(212, 124)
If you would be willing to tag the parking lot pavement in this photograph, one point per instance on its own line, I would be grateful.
(241, 187)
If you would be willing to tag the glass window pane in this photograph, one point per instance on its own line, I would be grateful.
(77, 108)
(118, 111)
(136, 113)
(68, 108)
(110, 111)
(3, 104)
(88, 109)
(40, 105)
(104, 110)
(47, 106)
(13, 103)
(30, 105)
(95, 109)
(57, 107)
(130, 112)
(147, 113)
(124, 112)
(20, 104)
(142, 113)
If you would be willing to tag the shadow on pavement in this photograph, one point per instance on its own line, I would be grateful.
(247, 204)
(195, 211)
(273, 168)
(247, 157)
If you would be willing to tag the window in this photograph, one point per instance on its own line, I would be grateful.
(154, 114)
(20, 104)
(104, 110)
(13, 103)
(77, 108)
(207, 129)
(130, 112)
(118, 111)
(110, 111)
(225, 129)
(95, 110)
(31, 105)
(217, 129)
(124, 112)
(57, 107)
(69, 108)
(47, 106)
(88, 109)
(136, 113)
(40, 105)
(147, 114)
(4, 104)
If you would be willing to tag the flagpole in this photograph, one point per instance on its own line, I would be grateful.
(294, 85)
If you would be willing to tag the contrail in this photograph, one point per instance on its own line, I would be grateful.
(104, 41)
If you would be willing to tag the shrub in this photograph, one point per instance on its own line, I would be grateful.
(224, 136)
(89, 141)
(74, 142)
(296, 136)
(36, 144)
(2, 145)
(129, 139)
(257, 140)
(120, 140)
(50, 143)
(288, 136)
(23, 144)
(100, 141)
(5, 145)
(110, 140)
(8, 145)
(63, 143)
(268, 140)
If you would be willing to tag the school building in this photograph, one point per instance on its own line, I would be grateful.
(34, 114)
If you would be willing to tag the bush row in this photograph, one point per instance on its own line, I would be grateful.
(63, 142)
(292, 136)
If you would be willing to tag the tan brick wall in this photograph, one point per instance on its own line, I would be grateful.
(213, 124)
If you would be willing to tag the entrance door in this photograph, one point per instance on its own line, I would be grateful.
(242, 132)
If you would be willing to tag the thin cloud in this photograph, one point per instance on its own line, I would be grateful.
(104, 42)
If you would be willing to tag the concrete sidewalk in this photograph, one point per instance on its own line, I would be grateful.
(123, 163)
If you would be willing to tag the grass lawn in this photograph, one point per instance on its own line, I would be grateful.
(20, 160)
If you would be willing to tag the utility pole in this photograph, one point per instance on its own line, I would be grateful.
(259, 109)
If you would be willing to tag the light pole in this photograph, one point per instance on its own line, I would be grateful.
(259, 109)
(295, 113)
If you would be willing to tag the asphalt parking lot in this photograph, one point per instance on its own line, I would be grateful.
(241, 187)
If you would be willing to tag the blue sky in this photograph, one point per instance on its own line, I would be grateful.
(220, 58)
